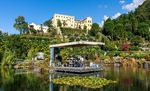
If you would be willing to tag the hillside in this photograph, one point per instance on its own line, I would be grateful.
(135, 23)
(144, 10)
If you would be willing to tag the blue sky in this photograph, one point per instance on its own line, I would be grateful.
(38, 11)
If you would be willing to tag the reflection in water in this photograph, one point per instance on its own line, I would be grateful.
(128, 80)
(23, 82)
(51, 83)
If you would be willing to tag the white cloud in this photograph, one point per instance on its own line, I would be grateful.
(122, 1)
(116, 15)
(107, 17)
(104, 19)
(133, 5)
(101, 24)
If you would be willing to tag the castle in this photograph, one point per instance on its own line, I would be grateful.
(71, 22)
(66, 22)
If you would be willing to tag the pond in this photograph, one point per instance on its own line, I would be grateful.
(128, 79)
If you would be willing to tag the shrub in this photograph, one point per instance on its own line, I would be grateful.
(110, 47)
(138, 56)
(134, 48)
(125, 47)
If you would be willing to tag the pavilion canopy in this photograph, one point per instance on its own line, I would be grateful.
(79, 43)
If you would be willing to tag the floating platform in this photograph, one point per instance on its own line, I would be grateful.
(77, 70)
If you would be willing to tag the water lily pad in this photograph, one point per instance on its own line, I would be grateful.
(87, 82)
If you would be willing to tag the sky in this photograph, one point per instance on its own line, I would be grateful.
(38, 11)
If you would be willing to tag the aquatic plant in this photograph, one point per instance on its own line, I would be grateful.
(87, 82)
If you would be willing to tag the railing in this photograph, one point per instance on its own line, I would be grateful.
(78, 70)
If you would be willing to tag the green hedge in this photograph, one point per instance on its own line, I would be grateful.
(70, 31)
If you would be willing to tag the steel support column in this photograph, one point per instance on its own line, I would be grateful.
(51, 56)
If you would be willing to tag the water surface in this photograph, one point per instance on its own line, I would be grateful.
(128, 80)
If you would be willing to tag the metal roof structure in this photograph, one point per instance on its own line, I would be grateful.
(78, 43)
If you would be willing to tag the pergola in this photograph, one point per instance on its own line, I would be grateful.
(71, 44)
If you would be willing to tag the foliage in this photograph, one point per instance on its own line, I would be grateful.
(138, 55)
(20, 24)
(21, 47)
(134, 48)
(51, 28)
(86, 52)
(143, 30)
(70, 31)
(119, 32)
(94, 30)
(95, 27)
(48, 23)
(59, 24)
(0, 32)
(110, 46)
(8, 58)
(2, 47)
(132, 27)
(113, 53)
(129, 25)
(136, 40)
(125, 47)
(108, 27)
(31, 53)
(33, 31)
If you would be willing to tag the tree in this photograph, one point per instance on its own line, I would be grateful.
(85, 27)
(119, 32)
(64, 23)
(53, 33)
(79, 27)
(33, 31)
(59, 24)
(108, 27)
(134, 25)
(136, 40)
(20, 24)
(143, 30)
(25, 27)
(48, 23)
(128, 27)
(95, 29)
(0, 32)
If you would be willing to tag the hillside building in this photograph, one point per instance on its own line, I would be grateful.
(41, 28)
(70, 22)
(66, 22)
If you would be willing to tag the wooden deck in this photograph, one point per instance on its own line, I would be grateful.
(77, 70)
